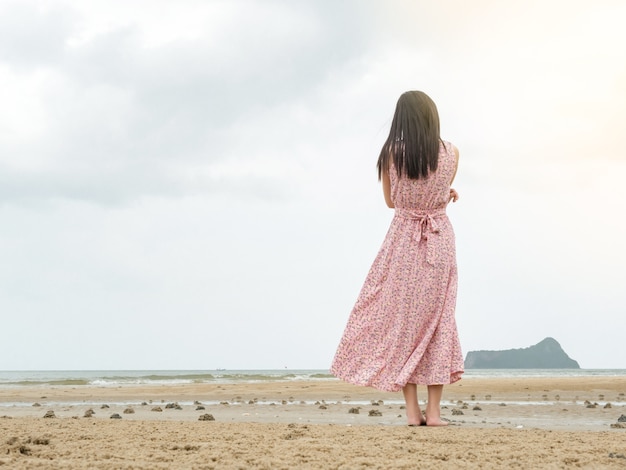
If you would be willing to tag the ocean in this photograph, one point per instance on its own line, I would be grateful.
(117, 378)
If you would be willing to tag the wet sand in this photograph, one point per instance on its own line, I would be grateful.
(528, 423)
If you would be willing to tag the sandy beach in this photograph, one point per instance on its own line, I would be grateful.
(522, 422)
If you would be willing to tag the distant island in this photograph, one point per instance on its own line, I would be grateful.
(546, 354)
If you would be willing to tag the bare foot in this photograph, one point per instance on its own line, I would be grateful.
(421, 423)
(435, 422)
(417, 421)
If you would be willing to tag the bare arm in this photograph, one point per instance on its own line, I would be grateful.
(387, 188)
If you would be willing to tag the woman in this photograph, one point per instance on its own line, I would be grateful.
(402, 332)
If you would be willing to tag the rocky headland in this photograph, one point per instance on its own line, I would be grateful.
(547, 354)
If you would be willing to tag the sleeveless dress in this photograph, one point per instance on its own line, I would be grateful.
(402, 328)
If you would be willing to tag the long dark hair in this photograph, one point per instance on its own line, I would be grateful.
(413, 141)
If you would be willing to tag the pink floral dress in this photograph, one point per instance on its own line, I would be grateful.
(402, 328)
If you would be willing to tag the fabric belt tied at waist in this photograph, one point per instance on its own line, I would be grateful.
(426, 226)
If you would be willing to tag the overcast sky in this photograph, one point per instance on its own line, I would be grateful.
(192, 184)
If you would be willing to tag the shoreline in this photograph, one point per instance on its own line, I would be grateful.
(516, 386)
(521, 422)
(573, 403)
